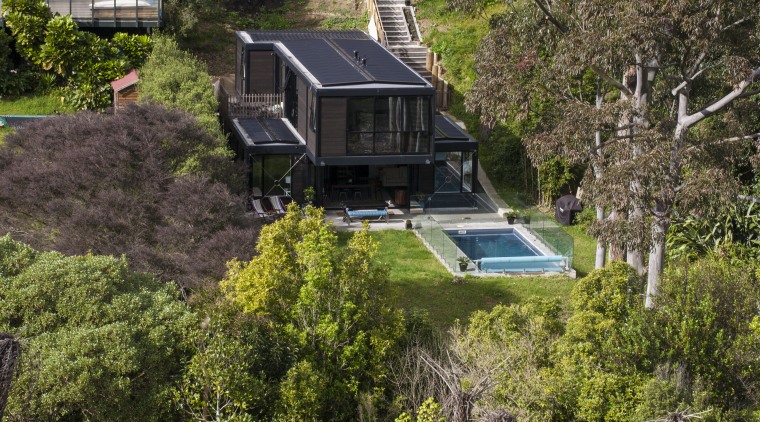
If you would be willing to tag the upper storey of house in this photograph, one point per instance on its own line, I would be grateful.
(333, 62)
(110, 13)
(344, 97)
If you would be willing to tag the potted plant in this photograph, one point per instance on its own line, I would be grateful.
(309, 194)
(463, 263)
(510, 216)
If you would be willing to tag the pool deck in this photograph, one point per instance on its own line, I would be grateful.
(449, 221)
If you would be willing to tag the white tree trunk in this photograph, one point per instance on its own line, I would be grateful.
(601, 248)
(656, 259)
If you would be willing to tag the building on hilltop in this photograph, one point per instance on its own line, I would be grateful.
(337, 111)
(110, 13)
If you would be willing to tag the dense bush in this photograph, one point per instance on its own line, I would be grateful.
(145, 182)
(84, 62)
(177, 80)
(99, 342)
(334, 305)
(696, 352)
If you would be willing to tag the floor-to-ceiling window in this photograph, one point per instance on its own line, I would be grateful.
(453, 172)
(388, 125)
(271, 173)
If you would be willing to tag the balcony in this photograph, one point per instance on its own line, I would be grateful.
(110, 13)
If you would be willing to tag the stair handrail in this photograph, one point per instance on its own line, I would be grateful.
(372, 6)
(414, 22)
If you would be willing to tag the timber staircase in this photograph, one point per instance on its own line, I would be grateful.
(401, 35)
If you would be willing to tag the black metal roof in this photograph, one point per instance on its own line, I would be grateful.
(337, 58)
(446, 129)
(269, 131)
(327, 65)
(296, 34)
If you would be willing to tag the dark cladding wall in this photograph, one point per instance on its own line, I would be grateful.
(302, 92)
(333, 127)
(261, 72)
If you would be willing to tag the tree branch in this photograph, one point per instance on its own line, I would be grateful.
(690, 120)
(688, 80)
(740, 138)
(550, 16)
(610, 80)
(731, 25)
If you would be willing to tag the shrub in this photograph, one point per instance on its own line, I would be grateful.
(140, 183)
(99, 341)
(175, 79)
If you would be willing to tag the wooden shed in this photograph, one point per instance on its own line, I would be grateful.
(125, 90)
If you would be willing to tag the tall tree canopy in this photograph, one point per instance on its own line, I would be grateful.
(334, 305)
(146, 182)
(654, 95)
(99, 341)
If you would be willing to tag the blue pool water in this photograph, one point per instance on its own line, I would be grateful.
(503, 250)
(492, 243)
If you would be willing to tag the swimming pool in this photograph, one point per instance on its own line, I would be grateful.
(504, 250)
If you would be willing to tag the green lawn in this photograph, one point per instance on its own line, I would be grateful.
(419, 281)
(33, 105)
(584, 254)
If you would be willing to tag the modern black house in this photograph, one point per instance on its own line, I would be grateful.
(337, 111)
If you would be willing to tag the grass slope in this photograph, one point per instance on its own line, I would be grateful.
(420, 281)
(33, 105)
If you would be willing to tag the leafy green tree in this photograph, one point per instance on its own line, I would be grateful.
(603, 357)
(99, 341)
(705, 309)
(237, 364)
(84, 61)
(672, 83)
(333, 303)
(177, 80)
(27, 20)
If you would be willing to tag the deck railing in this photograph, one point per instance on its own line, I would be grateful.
(255, 106)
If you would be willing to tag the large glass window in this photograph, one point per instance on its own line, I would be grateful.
(271, 173)
(453, 171)
(388, 125)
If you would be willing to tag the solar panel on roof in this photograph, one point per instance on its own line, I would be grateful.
(267, 131)
(381, 64)
(324, 62)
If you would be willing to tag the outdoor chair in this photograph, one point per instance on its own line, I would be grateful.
(259, 210)
(277, 205)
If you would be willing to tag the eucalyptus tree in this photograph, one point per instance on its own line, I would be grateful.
(675, 85)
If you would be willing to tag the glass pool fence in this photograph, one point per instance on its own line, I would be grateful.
(544, 229)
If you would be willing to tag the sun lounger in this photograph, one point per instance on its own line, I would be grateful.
(379, 214)
(259, 210)
(277, 205)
